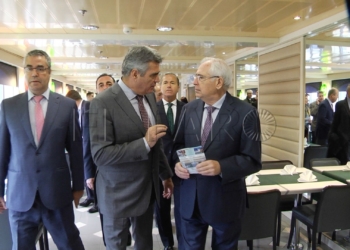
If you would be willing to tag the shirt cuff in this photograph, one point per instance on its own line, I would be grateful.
(146, 144)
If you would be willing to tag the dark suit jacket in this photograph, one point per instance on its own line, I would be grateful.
(168, 139)
(89, 165)
(324, 120)
(339, 137)
(235, 145)
(43, 168)
(126, 169)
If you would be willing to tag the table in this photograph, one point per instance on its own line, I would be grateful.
(335, 172)
(288, 184)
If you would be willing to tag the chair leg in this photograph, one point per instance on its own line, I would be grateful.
(279, 221)
(291, 233)
(313, 242)
(274, 243)
(309, 234)
(334, 236)
(250, 244)
(319, 238)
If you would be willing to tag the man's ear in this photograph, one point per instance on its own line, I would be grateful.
(220, 83)
(134, 73)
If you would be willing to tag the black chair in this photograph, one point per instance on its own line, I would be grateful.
(314, 152)
(320, 162)
(260, 219)
(330, 213)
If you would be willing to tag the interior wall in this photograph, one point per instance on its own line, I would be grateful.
(281, 93)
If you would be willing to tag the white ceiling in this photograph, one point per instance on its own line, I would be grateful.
(229, 29)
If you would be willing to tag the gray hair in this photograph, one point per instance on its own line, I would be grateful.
(219, 67)
(249, 91)
(38, 52)
(138, 58)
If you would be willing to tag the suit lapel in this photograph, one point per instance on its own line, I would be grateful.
(51, 113)
(179, 106)
(151, 99)
(25, 120)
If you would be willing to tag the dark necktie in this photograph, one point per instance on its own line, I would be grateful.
(143, 112)
(207, 125)
(170, 117)
(39, 116)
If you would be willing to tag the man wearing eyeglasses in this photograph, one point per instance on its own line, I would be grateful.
(226, 128)
(36, 128)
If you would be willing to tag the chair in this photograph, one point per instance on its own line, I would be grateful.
(312, 152)
(260, 218)
(320, 162)
(286, 201)
(330, 213)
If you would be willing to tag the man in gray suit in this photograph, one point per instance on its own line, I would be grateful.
(125, 145)
(36, 128)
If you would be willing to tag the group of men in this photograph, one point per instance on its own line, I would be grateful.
(132, 142)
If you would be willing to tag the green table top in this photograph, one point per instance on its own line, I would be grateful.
(339, 175)
(274, 179)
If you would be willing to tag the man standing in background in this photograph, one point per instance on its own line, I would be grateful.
(36, 128)
(314, 110)
(169, 109)
(90, 96)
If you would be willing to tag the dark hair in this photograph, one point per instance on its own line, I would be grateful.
(73, 94)
(184, 99)
(138, 58)
(332, 91)
(38, 52)
(169, 73)
(104, 74)
(89, 93)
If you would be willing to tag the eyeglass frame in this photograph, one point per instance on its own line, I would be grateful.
(39, 69)
(204, 78)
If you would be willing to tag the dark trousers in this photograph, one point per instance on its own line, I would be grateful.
(59, 223)
(194, 232)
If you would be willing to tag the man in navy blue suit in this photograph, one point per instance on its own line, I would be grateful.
(229, 131)
(169, 109)
(325, 117)
(36, 128)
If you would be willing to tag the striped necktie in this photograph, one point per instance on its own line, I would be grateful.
(207, 125)
(143, 112)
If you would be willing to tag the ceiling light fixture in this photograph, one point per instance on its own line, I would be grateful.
(164, 28)
(90, 27)
(297, 18)
(82, 12)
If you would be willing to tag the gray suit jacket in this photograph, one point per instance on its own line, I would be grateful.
(43, 168)
(126, 171)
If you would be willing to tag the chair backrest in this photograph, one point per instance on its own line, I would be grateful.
(312, 152)
(275, 164)
(333, 209)
(260, 218)
(319, 162)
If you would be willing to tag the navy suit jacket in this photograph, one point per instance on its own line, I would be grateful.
(43, 168)
(168, 138)
(89, 165)
(235, 144)
(324, 120)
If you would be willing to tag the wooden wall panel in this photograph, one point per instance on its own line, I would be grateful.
(280, 87)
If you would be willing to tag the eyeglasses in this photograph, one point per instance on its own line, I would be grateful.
(38, 69)
(201, 78)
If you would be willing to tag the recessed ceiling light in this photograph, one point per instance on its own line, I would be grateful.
(90, 27)
(297, 18)
(223, 53)
(164, 28)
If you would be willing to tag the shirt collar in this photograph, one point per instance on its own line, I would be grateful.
(166, 103)
(127, 91)
(218, 104)
(46, 94)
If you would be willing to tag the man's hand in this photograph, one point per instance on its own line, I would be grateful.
(154, 133)
(168, 188)
(90, 183)
(209, 167)
(181, 172)
(2, 205)
(76, 197)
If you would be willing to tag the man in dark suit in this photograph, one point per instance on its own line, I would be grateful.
(169, 109)
(125, 145)
(338, 142)
(36, 128)
(325, 117)
(229, 131)
(250, 99)
(314, 110)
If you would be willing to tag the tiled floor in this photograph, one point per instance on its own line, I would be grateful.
(90, 231)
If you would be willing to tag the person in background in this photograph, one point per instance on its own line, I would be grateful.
(255, 104)
(169, 109)
(36, 127)
(339, 138)
(125, 145)
(325, 117)
(314, 110)
(249, 99)
(158, 93)
(307, 115)
(216, 196)
(90, 96)
(184, 99)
